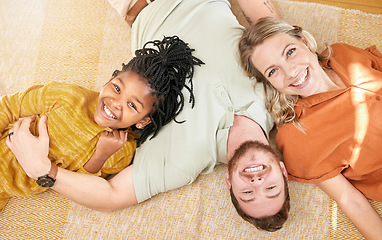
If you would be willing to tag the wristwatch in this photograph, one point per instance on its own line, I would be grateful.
(48, 180)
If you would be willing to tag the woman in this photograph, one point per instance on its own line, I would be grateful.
(326, 107)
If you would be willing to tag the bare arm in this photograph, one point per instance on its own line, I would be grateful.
(255, 9)
(90, 191)
(354, 205)
(95, 192)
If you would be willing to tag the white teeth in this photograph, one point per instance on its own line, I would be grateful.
(109, 113)
(302, 80)
(254, 169)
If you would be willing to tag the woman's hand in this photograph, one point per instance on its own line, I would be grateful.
(107, 145)
(30, 151)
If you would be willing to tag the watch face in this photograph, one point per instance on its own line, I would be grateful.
(45, 181)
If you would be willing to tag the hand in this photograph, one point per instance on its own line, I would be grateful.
(31, 152)
(111, 142)
(107, 145)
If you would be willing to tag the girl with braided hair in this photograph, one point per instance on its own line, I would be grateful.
(134, 104)
(227, 110)
(166, 70)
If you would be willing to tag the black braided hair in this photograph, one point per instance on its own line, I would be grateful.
(166, 65)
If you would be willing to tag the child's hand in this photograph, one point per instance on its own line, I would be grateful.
(110, 142)
(107, 145)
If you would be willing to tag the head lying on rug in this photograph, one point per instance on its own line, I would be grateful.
(327, 109)
(95, 132)
(257, 181)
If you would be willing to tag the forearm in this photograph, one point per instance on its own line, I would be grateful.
(362, 214)
(96, 161)
(95, 192)
(354, 205)
(256, 9)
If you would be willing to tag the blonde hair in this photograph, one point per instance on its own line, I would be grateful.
(279, 105)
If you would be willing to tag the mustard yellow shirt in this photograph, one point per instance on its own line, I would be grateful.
(72, 131)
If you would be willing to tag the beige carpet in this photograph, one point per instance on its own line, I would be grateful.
(83, 42)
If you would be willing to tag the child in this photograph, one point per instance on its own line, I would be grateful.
(142, 97)
(327, 108)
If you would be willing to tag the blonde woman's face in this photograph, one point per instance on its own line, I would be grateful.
(289, 65)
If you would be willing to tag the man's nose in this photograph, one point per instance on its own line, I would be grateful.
(257, 179)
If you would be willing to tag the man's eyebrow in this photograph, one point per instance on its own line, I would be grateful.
(249, 200)
(253, 199)
(275, 195)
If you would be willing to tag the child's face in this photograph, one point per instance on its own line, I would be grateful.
(124, 101)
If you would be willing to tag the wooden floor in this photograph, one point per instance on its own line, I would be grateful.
(369, 6)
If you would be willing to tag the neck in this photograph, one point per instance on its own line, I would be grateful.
(332, 81)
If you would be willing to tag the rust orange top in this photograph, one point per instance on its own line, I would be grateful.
(343, 127)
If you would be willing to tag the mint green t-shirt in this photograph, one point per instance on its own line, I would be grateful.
(180, 152)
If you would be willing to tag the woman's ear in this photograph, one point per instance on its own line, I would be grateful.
(142, 123)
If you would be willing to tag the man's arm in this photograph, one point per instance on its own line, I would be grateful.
(354, 205)
(90, 191)
(95, 192)
(256, 9)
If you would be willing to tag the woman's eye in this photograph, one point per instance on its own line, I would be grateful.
(291, 51)
(271, 72)
(271, 187)
(247, 192)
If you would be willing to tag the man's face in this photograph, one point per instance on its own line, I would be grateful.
(257, 181)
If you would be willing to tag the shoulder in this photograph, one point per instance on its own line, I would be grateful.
(346, 49)
(66, 91)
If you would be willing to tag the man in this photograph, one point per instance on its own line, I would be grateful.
(257, 181)
(227, 111)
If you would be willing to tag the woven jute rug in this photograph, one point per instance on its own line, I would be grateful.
(83, 42)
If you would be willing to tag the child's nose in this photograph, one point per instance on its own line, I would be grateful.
(117, 103)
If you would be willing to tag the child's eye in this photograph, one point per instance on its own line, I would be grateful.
(271, 187)
(117, 88)
(271, 72)
(291, 51)
(248, 192)
(132, 105)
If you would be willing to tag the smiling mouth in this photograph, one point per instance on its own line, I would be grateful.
(254, 168)
(300, 81)
(108, 112)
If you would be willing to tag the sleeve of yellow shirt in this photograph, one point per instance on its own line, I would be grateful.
(19, 105)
